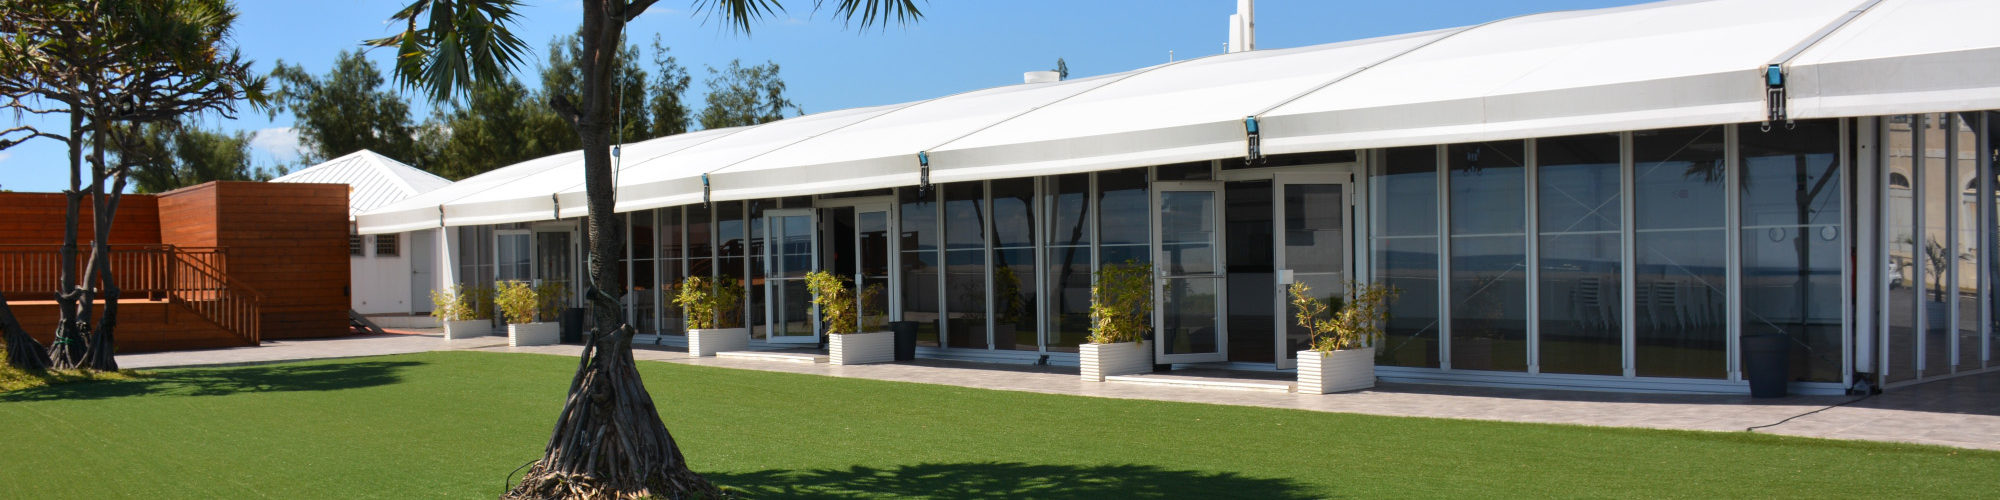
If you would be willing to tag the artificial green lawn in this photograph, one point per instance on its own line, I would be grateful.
(453, 424)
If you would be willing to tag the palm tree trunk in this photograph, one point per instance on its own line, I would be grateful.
(23, 352)
(609, 441)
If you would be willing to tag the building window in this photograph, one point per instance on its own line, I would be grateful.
(1405, 231)
(355, 245)
(1488, 244)
(1680, 242)
(385, 245)
(1580, 285)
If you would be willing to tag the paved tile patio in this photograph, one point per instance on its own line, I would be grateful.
(1962, 412)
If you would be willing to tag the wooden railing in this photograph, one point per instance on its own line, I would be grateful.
(194, 277)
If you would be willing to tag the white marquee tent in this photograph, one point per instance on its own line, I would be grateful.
(1665, 64)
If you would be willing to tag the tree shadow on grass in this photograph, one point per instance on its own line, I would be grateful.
(226, 381)
(1007, 480)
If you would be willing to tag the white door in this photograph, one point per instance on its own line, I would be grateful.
(1188, 296)
(791, 240)
(422, 254)
(1313, 242)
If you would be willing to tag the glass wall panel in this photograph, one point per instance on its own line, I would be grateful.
(1315, 249)
(1249, 269)
(754, 296)
(700, 241)
(1014, 265)
(965, 265)
(1579, 213)
(1792, 252)
(919, 263)
(1680, 298)
(1899, 226)
(872, 231)
(1964, 157)
(1069, 264)
(475, 256)
(1405, 241)
(1489, 285)
(1123, 217)
(731, 247)
(1990, 155)
(644, 290)
(1935, 200)
(673, 253)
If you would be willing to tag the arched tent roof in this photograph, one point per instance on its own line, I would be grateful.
(1665, 64)
(373, 180)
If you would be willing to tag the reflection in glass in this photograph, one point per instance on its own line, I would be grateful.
(1187, 315)
(1014, 264)
(1122, 200)
(1068, 199)
(1579, 212)
(872, 293)
(1247, 261)
(673, 252)
(1934, 178)
(919, 262)
(1964, 157)
(1791, 185)
(1899, 227)
(965, 265)
(732, 243)
(1489, 320)
(1990, 156)
(1189, 300)
(641, 292)
(1405, 242)
(1679, 298)
(1315, 246)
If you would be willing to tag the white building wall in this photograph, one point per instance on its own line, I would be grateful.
(382, 283)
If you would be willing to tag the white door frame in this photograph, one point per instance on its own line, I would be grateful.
(773, 284)
(1160, 275)
(1341, 176)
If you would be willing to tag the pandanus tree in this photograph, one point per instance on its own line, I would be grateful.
(608, 440)
(104, 68)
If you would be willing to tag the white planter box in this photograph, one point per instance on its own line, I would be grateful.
(861, 348)
(1123, 358)
(454, 330)
(527, 334)
(708, 341)
(1338, 371)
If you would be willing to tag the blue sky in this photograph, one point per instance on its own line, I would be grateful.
(960, 45)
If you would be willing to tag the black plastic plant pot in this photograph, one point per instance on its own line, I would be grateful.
(1766, 362)
(572, 325)
(906, 339)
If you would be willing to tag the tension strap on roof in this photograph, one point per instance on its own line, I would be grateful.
(923, 172)
(1774, 97)
(1251, 137)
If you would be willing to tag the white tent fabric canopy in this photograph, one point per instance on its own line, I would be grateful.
(1665, 64)
(1903, 57)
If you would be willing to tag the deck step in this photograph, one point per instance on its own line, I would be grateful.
(787, 357)
(1205, 382)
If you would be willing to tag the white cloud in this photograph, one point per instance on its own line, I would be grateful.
(281, 143)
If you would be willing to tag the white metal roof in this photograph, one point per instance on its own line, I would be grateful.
(373, 180)
(1664, 64)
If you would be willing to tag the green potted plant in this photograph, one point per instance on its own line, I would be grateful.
(455, 309)
(706, 304)
(1344, 328)
(1121, 312)
(846, 345)
(522, 305)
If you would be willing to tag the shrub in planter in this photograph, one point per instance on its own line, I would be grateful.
(455, 309)
(845, 345)
(1121, 312)
(706, 305)
(1344, 331)
(520, 304)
